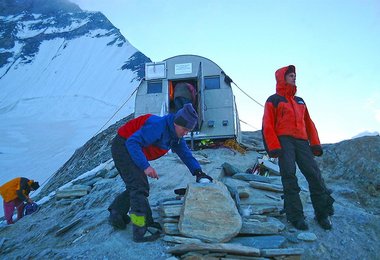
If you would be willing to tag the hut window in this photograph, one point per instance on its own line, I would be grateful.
(154, 87)
(212, 82)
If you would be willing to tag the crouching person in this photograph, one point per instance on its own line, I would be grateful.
(139, 141)
(15, 193)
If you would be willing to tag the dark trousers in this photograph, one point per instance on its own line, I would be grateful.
(179, 102)
(298, 151)
(135, 196)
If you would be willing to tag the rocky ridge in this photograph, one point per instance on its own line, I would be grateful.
(73, 214)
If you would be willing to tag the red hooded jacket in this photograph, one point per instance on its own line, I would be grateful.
(286, 115)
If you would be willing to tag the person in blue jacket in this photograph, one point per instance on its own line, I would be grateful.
(139, 141)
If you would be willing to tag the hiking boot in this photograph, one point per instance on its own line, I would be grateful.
(324, 222)
(126, 219)
(155, 225)
(143, 232)
(300, 224)
(117, 220)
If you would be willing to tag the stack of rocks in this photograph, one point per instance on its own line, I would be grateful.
(208, 222)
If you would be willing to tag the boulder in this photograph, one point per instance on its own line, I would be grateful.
(209, 213)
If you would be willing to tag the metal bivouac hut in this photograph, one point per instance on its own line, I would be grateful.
(215, 102)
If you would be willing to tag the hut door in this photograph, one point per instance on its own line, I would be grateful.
(201, 96)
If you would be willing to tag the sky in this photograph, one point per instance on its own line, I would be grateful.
(333, 44)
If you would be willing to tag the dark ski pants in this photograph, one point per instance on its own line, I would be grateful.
(135, 196)
(298, 151)
(179, 102)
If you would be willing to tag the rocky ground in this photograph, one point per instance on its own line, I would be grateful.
(47, 233)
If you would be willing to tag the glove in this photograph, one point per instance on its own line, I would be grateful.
(180, 191)
(200, 175)
(317, 150)
(275, 153)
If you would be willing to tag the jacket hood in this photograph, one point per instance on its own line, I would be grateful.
(283, 88)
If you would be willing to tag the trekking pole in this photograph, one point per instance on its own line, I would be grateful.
(192, 140)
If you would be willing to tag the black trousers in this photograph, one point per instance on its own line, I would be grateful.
(135, 196)
(298, 151)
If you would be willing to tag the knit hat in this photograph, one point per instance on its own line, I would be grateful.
(291, 69)
(186, 117)
(35, 185)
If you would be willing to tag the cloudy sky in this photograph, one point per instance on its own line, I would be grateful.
(333, 44)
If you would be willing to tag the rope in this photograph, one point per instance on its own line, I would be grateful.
(116, 111)
(64, 167)
(248, 124)
(257, 102)
(101, 128)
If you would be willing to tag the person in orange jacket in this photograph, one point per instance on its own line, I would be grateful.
(290, 135)
(15, 193)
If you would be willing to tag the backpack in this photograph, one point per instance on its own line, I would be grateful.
(30, 208)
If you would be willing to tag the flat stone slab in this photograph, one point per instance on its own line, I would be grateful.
(230, 170)
(261, 242)
(253, 196)
(181, 240)
(266, 186)
(251, 177)
(267, 226)
(273, 210)
(73, 191)
(272, 168)
(171, 228)
(215, 248)
(281, 252)
(170, 210)
(307, 236)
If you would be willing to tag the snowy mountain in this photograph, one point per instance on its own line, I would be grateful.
(63, 73)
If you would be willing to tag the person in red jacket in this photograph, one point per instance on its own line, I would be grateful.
(290, 135)
(137, 142)
(15, 193)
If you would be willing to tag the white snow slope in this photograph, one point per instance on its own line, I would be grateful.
(52, 105)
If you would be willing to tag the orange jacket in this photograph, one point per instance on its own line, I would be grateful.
(286, 115)
(16, 188)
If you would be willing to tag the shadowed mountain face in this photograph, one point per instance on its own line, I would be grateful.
(355, 159)
(9, 7)
(63, 73)
(26, 24)
(358, 162)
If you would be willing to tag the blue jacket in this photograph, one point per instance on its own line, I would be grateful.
(159, 132)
